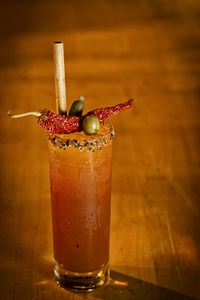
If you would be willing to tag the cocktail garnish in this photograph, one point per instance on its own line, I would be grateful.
(91, 125)
(104, 113)
(30, 113)
(77, 107)
(54, 123)
(61, 124)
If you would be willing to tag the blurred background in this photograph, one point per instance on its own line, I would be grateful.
(114, 51)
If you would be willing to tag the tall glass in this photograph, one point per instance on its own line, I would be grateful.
(80, 177)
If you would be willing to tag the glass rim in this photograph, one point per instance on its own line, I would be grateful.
(82, 141)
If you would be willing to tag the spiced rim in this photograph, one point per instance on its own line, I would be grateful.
(82, 141)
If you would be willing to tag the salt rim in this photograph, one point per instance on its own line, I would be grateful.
(94, 143)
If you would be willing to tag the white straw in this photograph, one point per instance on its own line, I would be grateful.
(60, 78)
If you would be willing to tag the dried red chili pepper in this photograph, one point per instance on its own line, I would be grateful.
(104, 113)
(61, 124)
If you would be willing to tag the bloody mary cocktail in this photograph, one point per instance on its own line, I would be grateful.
(80, 175)
(80, 154)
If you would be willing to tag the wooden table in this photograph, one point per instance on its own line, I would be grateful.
(114, 50)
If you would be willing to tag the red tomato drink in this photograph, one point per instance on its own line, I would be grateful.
(80, 176)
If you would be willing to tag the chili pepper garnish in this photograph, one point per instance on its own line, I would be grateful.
(61, 124)
(104, 113)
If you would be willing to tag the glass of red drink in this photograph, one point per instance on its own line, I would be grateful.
(80, 177)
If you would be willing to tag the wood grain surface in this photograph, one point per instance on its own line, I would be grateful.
(114, 50)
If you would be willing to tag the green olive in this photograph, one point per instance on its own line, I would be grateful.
(91, 125)
(77, 107)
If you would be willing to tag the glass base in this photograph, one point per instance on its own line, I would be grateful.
(81, 281)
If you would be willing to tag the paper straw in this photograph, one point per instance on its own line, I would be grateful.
(60, 78)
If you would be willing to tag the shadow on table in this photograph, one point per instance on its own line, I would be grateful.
(122, 286)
